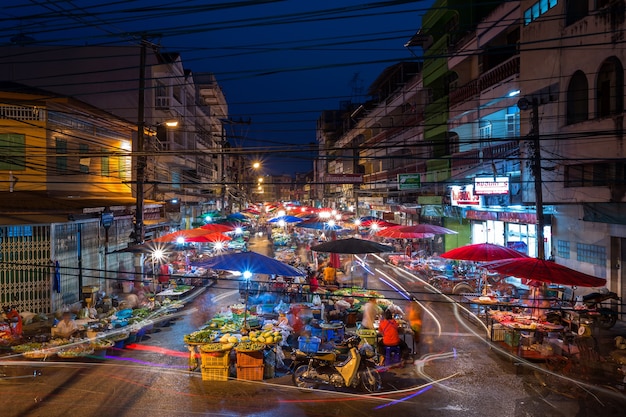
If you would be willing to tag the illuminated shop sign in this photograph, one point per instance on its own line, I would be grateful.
(464, 196)
(491, 185)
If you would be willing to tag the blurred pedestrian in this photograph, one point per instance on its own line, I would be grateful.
(414, 317)
(370, 312)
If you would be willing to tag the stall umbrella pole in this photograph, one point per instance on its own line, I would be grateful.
(246, 275)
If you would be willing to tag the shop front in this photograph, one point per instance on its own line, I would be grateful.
(515, 230)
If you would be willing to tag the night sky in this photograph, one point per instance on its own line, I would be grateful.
(280, 63)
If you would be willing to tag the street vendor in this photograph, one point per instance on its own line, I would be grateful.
(390, 332)
(66, 328)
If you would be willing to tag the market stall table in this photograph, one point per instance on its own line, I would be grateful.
(527, 337)
(175, 293)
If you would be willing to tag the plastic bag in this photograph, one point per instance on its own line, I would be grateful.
(317, 300)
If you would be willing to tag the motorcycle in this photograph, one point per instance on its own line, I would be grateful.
(590, 306)
(323, 368)
(593, 302)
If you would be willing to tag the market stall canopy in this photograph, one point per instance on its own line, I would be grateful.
(352, 246)
(286, 219)
(184, 234)
(318, 225)
(252, 262)
(544, 271)
(218, 227)
(396, 233)
(427, 228)
(238, 216)
(482, 252)
(377, 224)
(213, 237)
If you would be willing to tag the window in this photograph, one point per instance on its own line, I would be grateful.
(537, 9)
(577, 99)
(161, 96)
(12, 152)
(512, 125)
(104, 164)
(61, 161)
(84, 160)
(592, 175)
(593, 254)
(610, 88)
(175, 180)
(562, 248)
(484, 131)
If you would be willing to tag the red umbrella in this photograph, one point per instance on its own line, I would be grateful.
(217, 227)
(210, 238)
(377, 223)
(395, 233)
(482, 252)
(427, 228)
(544, 271)
(185, 234)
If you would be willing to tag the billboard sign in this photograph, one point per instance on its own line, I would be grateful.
(409, 182)
(343, 178)
(491, 185)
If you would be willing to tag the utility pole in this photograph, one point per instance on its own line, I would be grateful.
(139, 148)
(140, 162)
(524, 104)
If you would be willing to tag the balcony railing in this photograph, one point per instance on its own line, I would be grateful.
(488, 79)
(500, 73)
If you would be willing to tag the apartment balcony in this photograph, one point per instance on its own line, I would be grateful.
(486, 80)
(392, 174)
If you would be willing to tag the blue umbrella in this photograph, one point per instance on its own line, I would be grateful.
(319, 225)
(252, 262)
(237, 216)
(286, 219)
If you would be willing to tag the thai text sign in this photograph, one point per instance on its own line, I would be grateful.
(491, 185)
(409, 181)
(344, 178)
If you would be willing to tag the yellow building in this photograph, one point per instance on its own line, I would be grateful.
(63, 164)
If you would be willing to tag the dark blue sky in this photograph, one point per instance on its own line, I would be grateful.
(280, 63)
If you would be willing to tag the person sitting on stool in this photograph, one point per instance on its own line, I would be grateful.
(388, 328)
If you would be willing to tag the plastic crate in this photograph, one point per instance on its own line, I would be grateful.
(497, 332)
(316, 332)
(211, 359)
(331, 335)
(254, 358)
(309, 344)
(214, 373)
(250, 373)
(368, 335)
(511, 338)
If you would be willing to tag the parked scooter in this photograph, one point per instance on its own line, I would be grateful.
(593, 302)
(323, 368)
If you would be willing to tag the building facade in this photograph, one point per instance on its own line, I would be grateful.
(66, 198)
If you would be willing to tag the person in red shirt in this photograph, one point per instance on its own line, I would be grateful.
(313, 283)
(389, 329)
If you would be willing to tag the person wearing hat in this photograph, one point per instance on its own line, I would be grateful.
(66, 328)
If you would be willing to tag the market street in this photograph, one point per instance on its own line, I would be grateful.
(456, 373)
